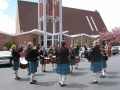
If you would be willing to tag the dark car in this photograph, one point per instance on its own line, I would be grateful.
(114, 50)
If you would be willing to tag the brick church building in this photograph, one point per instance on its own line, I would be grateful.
(75, 21)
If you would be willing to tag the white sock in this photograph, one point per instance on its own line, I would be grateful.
(63, 79)
(44, 67)
(103, 72)
(94, 76)
(55, 66)
(31, 77)
(97, 74)
(60, 78)
(71, 67)
(16, 74)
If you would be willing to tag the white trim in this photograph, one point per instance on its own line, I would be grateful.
(94, 23)
(89, 23)
(6, 33)
(77, 35)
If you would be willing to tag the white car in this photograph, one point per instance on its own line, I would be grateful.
(5, 57)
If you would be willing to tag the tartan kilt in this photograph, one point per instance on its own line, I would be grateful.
(41, 61)
(32, 67)
(16, 65)
(63, 69)
(104, 64)
(72, 62)
(96, 66)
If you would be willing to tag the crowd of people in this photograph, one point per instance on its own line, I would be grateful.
(62, 58)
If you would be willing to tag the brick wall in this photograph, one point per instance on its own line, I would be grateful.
(25, 38)
(4, 39)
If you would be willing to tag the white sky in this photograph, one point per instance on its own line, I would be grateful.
(108, 9)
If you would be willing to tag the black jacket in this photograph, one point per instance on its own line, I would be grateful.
(53, 52)
(15, 55)
(32, 55)
(95, 54)
(63, 55)
(44, 53)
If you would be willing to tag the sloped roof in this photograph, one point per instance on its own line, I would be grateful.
(74, 20)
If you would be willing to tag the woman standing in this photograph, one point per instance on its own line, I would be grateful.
(77, 55)
(96, 65)
(32, 56)
(104, 59)
(63, 63)
(15, 62)
(72, 58)
(43, 54)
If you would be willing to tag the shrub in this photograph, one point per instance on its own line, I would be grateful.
(9, 44)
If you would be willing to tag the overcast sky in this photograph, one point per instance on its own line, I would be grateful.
(108, 9)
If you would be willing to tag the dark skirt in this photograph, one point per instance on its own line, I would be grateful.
(104, 64)
(41, 61)
(32, 67)
(16, 65)
(72, 62)
(63, 69)
(96, 66)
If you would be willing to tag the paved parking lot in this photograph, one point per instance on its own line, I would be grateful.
(78, 80)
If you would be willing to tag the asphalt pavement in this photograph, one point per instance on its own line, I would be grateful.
(78, 80)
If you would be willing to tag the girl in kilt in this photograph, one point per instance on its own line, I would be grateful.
(53, 52)
(77, 55)
(63, 63)
(43, 54)
(15, 61)
(32, 56)
(96, 65)
(104, 59)
(72, 58)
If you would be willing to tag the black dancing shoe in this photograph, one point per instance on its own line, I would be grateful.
(62, 85)
(94, 82)
(102, 76)
(59, 83)
(17, 78)
(32, 82)
(44, 71)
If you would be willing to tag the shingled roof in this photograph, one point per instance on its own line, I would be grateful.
(74, 20)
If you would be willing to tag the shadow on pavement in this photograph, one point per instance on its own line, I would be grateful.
(113, 77)
(39, 74)
(109, 83)
(51, 71)
(112, 73)
(78, 73)
(46, 83)
(82, 68)
(25, 79)
(76, 85)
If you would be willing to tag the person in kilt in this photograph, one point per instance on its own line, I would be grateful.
(43, 54)
(77, 55)
(15, 61)
(72, 58)
(32, 56)
(63, 63)
(96, 65)
(104, 59)
(53, 52)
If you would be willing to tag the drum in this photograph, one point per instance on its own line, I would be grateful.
(77, 60)
(46, 60)
(23, 63)
(54, 59)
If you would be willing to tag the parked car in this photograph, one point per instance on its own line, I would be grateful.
(114, 50)
(118, 47)
(5, 57)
